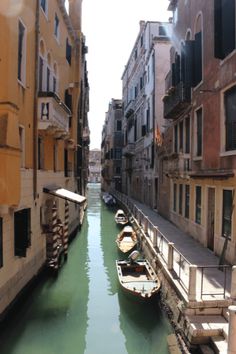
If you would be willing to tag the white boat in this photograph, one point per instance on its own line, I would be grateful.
(126, 239)
(138, 278)
(121, 218)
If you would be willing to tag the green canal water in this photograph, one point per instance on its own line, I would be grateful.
(83, 310)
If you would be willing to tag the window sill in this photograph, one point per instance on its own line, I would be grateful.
(228, 153)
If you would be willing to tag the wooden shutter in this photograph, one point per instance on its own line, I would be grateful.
(218, 29)
(228, 26)
(197, 58)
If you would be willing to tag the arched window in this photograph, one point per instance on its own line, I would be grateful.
(197, 72)
(42, 52)
(48, 81)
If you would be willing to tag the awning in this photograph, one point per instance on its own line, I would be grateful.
(65, 194)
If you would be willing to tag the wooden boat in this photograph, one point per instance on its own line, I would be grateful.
(121, 218)
(109, 199)
(126, 239)
(138, 278)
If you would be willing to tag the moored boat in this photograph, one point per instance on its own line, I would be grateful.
(126, 239)
(121, 218)
(138, 278)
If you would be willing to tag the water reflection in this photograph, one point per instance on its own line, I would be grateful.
(84, 310)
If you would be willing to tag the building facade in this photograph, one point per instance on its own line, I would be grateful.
(40, 94)
(143, 124)
(111, 147)
(200, 104)
(94, 166)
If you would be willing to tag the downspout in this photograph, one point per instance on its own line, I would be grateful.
(35, 117)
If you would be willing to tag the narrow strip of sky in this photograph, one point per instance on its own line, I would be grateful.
(111, 28)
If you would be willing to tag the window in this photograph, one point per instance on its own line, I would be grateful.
(43, 4)
(1, 243)
(180, 199)
(22, 231)
(199, 132)
(197, 59)
(176, 138)
(198, 204)
(118, 125)
(230, 119)
(40, 74)
(22, 145)
(148, 118)
(68, 51)
(186, 212)
(21, 52)
(224, 14)
(227, 213)
(174, 196)
(48, 79)
(181, 136)
(56, 26)
(68, 99)
(187, 135)
(118, 170)
(162, 31)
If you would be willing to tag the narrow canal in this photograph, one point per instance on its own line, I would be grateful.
(84, 311)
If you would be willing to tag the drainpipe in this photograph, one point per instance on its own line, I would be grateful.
(35, 117)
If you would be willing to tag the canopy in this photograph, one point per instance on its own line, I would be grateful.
(65, 194)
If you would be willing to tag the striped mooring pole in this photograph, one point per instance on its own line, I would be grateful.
(66, 223)
(54, 254)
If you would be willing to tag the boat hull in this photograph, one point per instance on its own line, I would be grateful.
(138, 279)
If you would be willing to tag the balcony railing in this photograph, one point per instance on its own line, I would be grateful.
(53, 114)
(129, 108)
(176, 101)
(128, 150)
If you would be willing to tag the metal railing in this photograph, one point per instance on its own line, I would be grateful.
(177, 264)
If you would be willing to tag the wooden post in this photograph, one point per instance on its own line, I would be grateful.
(170, 255)
(66, 237)
(54, 254)
(192, 286)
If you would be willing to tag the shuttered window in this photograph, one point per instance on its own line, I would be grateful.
(176, 138)
(227, 213)
(174, 196)
(21, 51)
(187, 135)
(198, 204)
(68, 51)
(180, 199)
(181, 136)
(22, 231)
(224, 17)
(199, 132)
(197, 59)
(230, 119)
(186, 212)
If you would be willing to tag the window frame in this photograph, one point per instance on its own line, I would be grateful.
(198, 209)
(198, 156)
(44, 9)
(231, 216)
(22, 51)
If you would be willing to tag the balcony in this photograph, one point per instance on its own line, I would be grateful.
(53, 114)
(129, 109)
(128, 150)
(176, 100)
